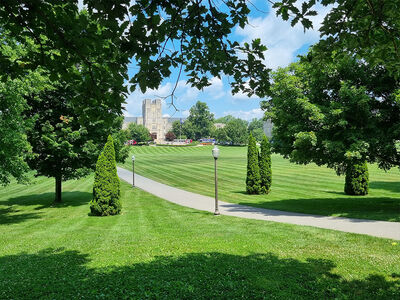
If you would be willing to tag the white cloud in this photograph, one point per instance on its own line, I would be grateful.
(245, 115)
(216, 89)
(281, 39)
(166, 116)
(185, 113)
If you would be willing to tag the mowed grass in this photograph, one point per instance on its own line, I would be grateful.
(159, 250)
(297, 188)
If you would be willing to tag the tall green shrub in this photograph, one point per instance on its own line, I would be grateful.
(253, 180)
(265, 166)
(357, 179)
(106, 188)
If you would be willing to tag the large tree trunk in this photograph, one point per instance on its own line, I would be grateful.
(57, 199)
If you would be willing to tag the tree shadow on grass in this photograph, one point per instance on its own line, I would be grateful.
(391, 186)
(59, 274)
(11, 215)
(45, 200)
(359, 207)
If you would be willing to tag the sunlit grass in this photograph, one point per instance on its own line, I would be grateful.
(159, 250)
(299, 188)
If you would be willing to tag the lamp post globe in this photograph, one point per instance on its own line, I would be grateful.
(215, 153)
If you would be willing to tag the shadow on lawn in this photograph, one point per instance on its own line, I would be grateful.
(359, 207)
(64, 274)
(392, 186)
(10, 215)
(46, 200)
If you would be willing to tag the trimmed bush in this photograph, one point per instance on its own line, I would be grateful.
(106, 188)
(253, 181)
(264, 162)
(357, 179)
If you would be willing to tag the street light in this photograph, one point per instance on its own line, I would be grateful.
(215, 153)
(133, 170)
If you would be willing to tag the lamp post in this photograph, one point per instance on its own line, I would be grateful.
(215, 153)
(133, 171)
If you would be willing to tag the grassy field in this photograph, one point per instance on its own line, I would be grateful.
(298, 188)
(158, 250)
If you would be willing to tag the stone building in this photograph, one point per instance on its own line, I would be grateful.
(153, 120)
(219, 125)
(267, 127)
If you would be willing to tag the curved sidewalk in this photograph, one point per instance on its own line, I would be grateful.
(374, 228)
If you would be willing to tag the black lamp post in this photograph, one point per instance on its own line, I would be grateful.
(133, 170)
(215, 153)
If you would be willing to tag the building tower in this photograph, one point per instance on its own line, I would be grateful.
(152, 118)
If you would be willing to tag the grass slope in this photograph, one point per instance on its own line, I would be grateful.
(156, 249)
(298, 188)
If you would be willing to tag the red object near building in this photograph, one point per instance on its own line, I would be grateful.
(132, 142)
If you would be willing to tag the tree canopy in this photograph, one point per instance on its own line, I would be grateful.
(14, 146)
(189, 35)
(369, 29)
(89, 50)
(236, 130)
(256, 129)
(64, 145)
(224, 119)
(200, 120)
(139, 133)
(337, 111)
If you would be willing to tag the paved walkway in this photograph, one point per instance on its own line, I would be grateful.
(375, 228)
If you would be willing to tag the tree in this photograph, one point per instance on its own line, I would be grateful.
(258, 134)
(177, 128)
(236, 130)
(139, 133)
(367, 29)
(221, 135)
(105, 37)
(64, 144)
(189, 130)
(253, 180)
(106, 187)
(265, 166)
(255, 124)
(170, 136)
(14, 145)
(357, 179)
(256, 129)
(335, 111)
(224, 119)
(119, 138)
(201, 120)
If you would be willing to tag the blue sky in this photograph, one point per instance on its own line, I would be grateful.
(284, 44)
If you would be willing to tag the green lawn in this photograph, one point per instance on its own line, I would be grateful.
(156, 249)
(298, 188)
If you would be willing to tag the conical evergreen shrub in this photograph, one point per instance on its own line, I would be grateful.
(253, 181)
(357, 179)
(264, 162)
(106, 188)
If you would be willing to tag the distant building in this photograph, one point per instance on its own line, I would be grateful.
(267, 127)
(153, 120)
(219, 125)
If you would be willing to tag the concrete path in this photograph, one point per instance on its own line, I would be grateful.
(374, 228)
